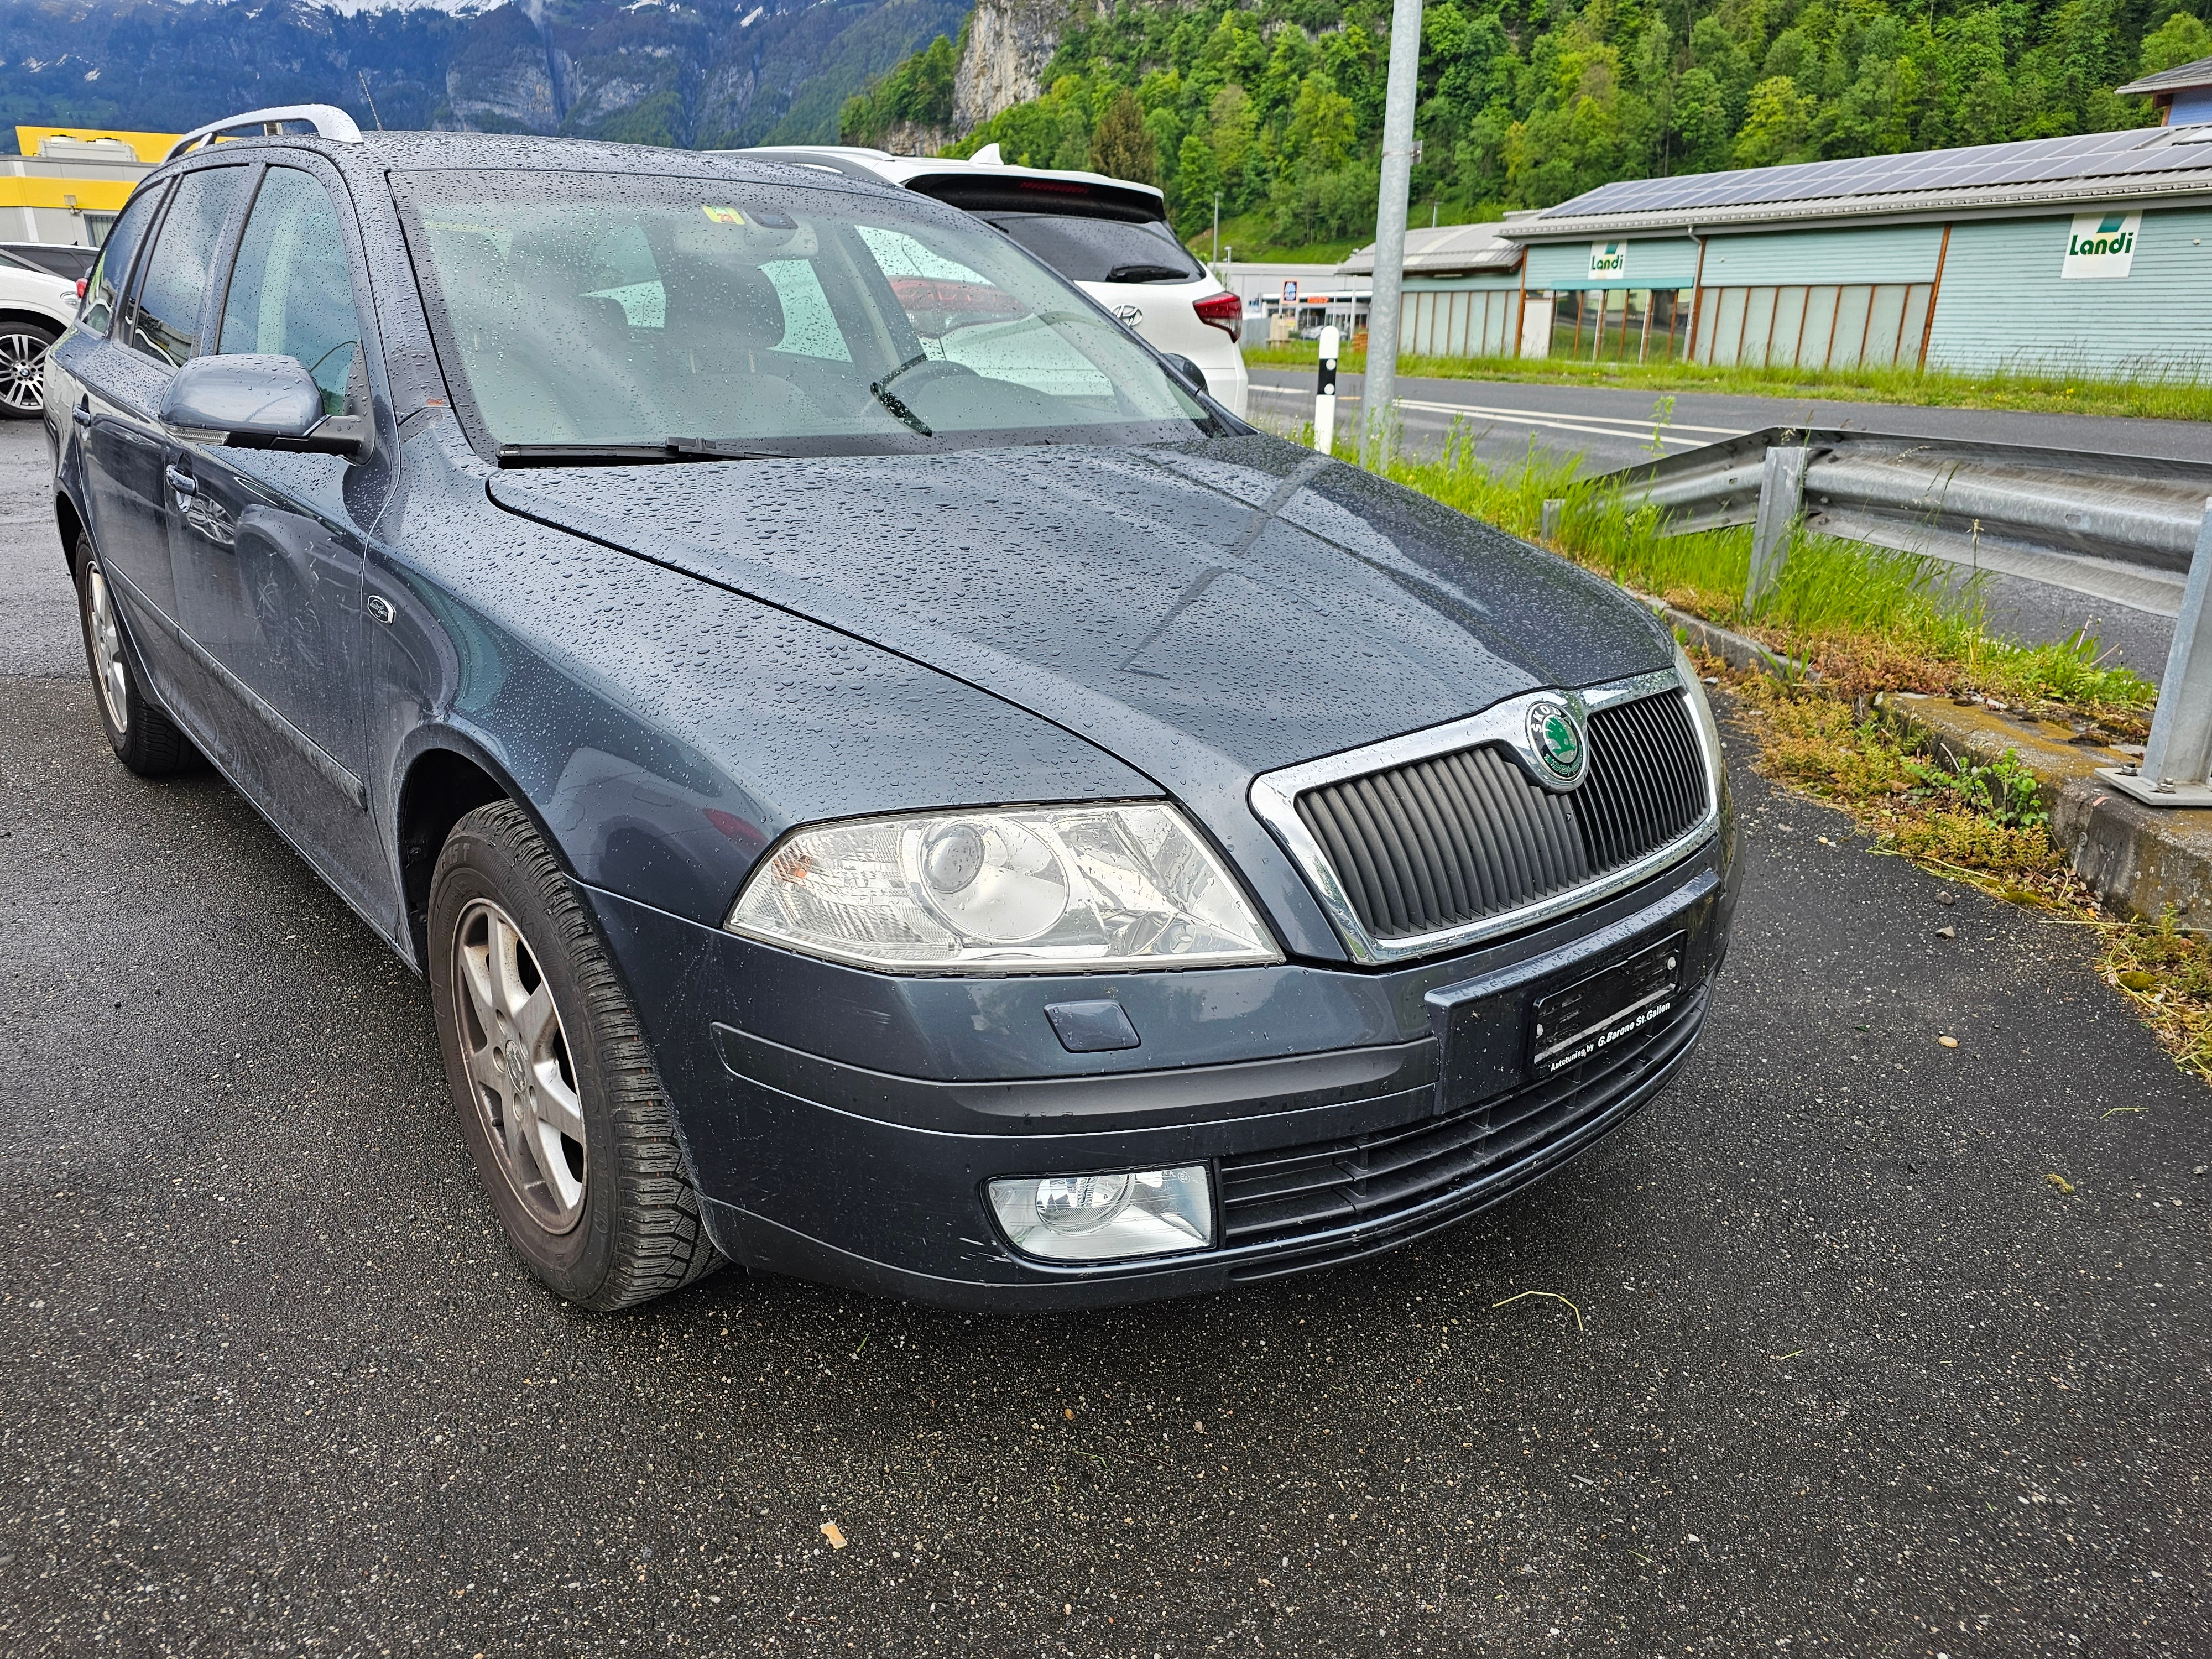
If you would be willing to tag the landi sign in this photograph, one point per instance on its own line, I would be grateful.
(2101, 245)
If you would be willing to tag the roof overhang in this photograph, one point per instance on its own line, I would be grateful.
(2188, 189)
(2183, 77)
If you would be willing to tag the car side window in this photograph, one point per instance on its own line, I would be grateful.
(291, 291)
(164, 318)
(104, 292)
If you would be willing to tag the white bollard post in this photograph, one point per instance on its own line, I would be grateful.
(2178, 755)
(1325, 394)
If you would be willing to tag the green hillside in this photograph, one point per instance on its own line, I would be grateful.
(1278, 105)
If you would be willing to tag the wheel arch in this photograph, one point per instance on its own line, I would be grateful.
(40, 318)
(443, 782)
(71, 523)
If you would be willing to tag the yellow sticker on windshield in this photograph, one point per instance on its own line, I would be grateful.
(722, 215)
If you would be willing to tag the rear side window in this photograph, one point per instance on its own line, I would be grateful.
(291, 294)
(104, 292)
(1087, 250)
(165, 316)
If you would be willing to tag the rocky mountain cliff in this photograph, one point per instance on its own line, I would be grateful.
(1003, 56)
(704, 74)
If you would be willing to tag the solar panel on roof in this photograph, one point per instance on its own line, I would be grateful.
(2037, 161)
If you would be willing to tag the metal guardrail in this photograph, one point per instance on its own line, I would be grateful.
(2122, 527)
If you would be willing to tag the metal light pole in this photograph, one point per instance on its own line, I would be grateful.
(1380, 392)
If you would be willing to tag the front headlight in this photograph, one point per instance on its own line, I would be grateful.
(1024, 890)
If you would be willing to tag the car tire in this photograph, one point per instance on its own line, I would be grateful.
(559, 1099)
(23, 347)
(144, 738)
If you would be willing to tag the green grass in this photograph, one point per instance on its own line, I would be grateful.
(2184, 394)
(1867, 619)
(1247, 237)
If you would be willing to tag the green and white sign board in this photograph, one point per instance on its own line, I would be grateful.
(2101, 245)
(1609, 261)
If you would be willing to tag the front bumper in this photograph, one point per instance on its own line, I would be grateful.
(841, 1126)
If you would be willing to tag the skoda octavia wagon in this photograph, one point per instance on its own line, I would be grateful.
(887, 782)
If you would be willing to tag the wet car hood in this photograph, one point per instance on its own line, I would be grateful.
(1204, 611)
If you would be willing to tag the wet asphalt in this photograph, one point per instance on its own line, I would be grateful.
(1834, 1365)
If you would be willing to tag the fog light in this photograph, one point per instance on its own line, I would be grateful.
(1103, 1218)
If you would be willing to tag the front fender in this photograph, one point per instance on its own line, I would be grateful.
(664, 731)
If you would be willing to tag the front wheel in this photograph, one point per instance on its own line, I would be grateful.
(559, 1099)
(144, 739)
(23, 348)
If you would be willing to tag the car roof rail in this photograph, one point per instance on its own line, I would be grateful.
(328, 120)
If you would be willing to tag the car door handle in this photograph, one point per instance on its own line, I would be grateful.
(183, 483)
(82, 415)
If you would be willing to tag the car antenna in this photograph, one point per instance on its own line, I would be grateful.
(362, 76)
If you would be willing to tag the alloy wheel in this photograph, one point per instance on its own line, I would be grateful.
(520, 1069)
(108, 650)
(23, 370)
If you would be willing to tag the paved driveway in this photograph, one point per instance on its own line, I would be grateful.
(1849, 1373)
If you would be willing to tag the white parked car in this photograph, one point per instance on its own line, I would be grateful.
(35, 306)
(1108, 236)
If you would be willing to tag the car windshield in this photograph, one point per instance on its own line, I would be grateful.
(1084, 249)
(625, 310)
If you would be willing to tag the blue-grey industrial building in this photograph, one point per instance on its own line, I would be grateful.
(2091, 253)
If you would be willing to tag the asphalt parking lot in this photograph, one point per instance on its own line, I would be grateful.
(1835, 1366)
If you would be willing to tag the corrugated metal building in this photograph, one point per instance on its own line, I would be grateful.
(1463, 291)
(2091, 253)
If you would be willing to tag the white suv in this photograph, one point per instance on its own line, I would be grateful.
(1109, 237)
(35, 306)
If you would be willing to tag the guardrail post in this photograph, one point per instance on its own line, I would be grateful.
(1781, 493)
(1548, 526)
(1325, 393)
(2178, 758)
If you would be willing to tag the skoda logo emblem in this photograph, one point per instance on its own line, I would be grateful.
(1556, 741)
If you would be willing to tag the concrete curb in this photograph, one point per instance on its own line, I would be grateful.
(2136, 858)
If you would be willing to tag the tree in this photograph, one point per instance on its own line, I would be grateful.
(1197, 179)
(2181, 40)
(1777, 126)
(1122, 146)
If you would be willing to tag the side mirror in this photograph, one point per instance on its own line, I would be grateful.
(258, 401)
(1190, 371)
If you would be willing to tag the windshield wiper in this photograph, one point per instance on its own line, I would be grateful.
(880, 391)
(669, 449)
(1145, 273)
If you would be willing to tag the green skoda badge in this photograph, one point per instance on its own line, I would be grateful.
(1556, 741)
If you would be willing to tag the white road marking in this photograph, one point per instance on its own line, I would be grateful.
(1643, 430)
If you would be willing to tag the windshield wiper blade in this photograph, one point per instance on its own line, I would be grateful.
(723, 449)
(890, 400)
(669, 449)
(1143, 273)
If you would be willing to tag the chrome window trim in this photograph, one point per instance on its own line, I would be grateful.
(1273, 797)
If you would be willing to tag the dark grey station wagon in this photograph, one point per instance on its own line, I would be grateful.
(887, 781)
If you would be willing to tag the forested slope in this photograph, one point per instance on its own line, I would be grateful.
(1278, 104)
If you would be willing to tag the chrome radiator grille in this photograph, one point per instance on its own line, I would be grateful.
(1440, 843)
